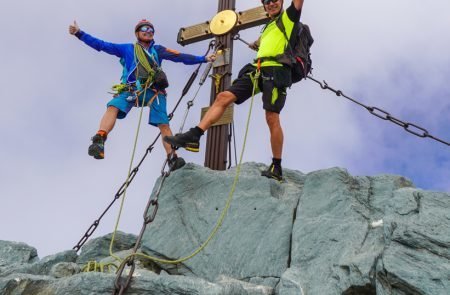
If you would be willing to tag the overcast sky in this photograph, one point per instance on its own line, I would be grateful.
(391, 54)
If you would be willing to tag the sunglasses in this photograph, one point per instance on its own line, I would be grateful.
(146, 29)
(266, 2)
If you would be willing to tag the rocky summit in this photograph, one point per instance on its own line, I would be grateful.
(325, 232)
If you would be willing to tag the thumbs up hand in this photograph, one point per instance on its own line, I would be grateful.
(74, 28)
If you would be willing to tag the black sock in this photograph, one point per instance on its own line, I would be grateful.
(276, 162)
(197, 131)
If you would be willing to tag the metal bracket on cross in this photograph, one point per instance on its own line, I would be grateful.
(222, 23)
(222, 58)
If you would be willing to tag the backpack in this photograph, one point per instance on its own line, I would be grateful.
(297, 53)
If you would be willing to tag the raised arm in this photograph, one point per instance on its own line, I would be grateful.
(298, 4)
(188, 59)
(97, 44)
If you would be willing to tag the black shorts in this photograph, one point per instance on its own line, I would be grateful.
(273, 97)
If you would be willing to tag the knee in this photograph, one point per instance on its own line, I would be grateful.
(112, 110)
(224, 98)
(272, 119)
(164, 127)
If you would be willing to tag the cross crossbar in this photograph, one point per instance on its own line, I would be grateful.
(246, 19)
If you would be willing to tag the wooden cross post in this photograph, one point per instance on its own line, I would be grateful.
(218, 134)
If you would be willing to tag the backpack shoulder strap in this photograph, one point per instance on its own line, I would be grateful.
(154, 55)
(280, 26)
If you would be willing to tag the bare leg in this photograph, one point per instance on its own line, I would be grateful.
(276, 133)
(165, 131)
(223, 100)
(109, 119)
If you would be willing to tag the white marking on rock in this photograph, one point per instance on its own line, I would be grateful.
(377, 223)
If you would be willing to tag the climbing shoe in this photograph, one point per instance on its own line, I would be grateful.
(176, 163)
(274, 172)
(97, 148)
(188, 140)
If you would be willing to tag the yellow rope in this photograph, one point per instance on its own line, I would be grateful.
(94, 266)
(142, 58)
(133, 153)
(230, 196)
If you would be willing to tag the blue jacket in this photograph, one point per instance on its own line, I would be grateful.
(126, 54)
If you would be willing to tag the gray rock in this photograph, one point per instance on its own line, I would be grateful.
(25, 284)
(254, 239)
(417, 255)
(332, 243)
(290, 283)
(237, 287)
(44, 266)
(111, 264)
(41, 267)
(64, 269)
(98, 248)
(143, 282)
(150, 283)
(367, 235)
(16, 253)
(269, 282)
(348, 235)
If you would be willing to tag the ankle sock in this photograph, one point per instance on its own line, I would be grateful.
(198, 131)
(103, 134)
(276, 162)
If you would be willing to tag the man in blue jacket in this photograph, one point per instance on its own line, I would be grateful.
(142, 84)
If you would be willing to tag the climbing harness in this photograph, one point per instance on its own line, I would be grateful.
(377, 112)
(91, 229)
(121, 286)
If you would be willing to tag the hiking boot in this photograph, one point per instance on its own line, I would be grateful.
(274, 172)
(97, 148)
(188, 140)
(176, 163)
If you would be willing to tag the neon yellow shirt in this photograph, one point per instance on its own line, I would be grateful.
(272, 40)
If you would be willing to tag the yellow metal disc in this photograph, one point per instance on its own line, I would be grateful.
(223, 22)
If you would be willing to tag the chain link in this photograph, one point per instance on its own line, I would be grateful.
(119, 193)
(121, 286)
(382, 114)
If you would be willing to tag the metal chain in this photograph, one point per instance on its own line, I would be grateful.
(382, 114)
(119, 193)
(133, 173)
(377, 112)
(120, 284)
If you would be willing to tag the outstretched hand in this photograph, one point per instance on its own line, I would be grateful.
(211, 57)
(74, 28)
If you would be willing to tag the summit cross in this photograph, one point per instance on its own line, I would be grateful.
(228, 23)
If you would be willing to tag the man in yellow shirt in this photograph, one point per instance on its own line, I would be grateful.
(273, 81)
